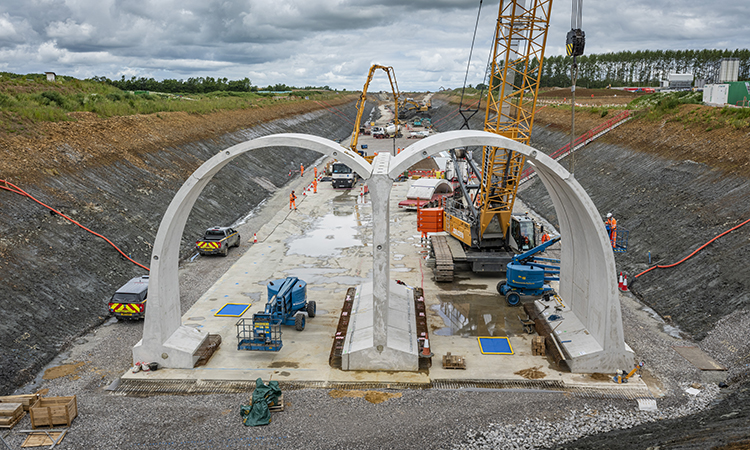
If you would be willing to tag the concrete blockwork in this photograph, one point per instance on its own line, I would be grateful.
(587, 268)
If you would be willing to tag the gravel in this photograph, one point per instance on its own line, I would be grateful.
(449, 419)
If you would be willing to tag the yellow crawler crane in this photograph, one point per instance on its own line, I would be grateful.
(482, 218)
(363, 99)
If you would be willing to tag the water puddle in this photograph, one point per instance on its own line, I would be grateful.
(671, 330)
(469, 315)
(331, 234)
(317, 276)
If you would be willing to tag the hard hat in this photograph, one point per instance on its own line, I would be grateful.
(609, 215)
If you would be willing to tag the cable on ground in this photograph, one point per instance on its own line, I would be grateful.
(15, 189)
(696, 251)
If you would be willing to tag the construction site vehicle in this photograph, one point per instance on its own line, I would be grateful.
(620, 376)
(480, 214)
(363, 99)
(287, 305)
(217, 240)
(528, 274)
(342, 176)
(129, 302)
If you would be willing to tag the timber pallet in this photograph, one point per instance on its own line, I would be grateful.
(453, 361)
(11, 422)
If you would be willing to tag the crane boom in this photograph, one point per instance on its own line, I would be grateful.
(515, 73)
(520, 40)
(363, 98)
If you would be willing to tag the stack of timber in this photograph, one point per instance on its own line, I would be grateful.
(443, 258)
(26, 400)
(53, 411)
(10, 414)
(538, 347)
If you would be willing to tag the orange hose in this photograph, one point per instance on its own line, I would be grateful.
(15, 189)
(696, 251)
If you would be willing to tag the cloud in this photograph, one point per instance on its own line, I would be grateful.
(326, 42)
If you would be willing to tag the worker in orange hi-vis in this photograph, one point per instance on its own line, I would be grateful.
(316, 171)
(301, 170)
(315, 185)
(292, 201)
(611, 226)
(545, 237)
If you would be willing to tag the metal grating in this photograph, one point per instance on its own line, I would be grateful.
(147, 388)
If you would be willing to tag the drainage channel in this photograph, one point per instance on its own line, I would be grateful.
(147, 388)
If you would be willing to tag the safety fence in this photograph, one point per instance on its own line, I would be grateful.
(582, 140)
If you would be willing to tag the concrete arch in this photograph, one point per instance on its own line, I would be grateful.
(588, 270)
(164, 338)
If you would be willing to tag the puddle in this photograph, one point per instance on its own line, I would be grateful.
(313, 276)
(671, 330)
(254, 296)
(469, 315)
(401, 269)
(332, 234)
(197, 318)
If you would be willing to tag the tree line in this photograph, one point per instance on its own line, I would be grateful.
(640, 68)
(198, 85)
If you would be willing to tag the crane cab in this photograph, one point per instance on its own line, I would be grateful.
(522, 236)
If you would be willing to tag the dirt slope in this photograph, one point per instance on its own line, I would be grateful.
(117, 177)
(674, 186)
(51, 148)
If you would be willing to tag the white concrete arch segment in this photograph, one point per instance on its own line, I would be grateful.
(165, 340)
(588, 271)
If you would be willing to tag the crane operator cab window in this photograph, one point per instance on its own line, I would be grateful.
(522, 233)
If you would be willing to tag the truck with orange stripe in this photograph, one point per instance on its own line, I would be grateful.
(129, 302)
(217, 240)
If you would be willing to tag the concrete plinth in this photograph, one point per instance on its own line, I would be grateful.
(177, 351)
(401, 350)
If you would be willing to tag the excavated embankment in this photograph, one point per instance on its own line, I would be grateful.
(58, 278)
(670, 207)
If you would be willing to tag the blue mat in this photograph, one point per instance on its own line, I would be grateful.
(495, 346)
(232, 310)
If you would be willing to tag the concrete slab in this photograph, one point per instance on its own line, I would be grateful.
(328, 243)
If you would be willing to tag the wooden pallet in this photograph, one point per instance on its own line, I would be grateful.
(26, 400)
(453, 361)
(43, 439)
(274, 408)
(10, 422)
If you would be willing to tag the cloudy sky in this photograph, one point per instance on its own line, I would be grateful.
(327, 42)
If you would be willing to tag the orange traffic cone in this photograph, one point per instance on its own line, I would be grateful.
(625, 283)
(426, 353)
(362, 191)
(619, 282)
(255, 238)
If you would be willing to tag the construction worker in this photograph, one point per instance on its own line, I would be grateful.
(316, 172)
(315, 185)
(292, 200)
(545, 237)
(301, 170)
(611, 225)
